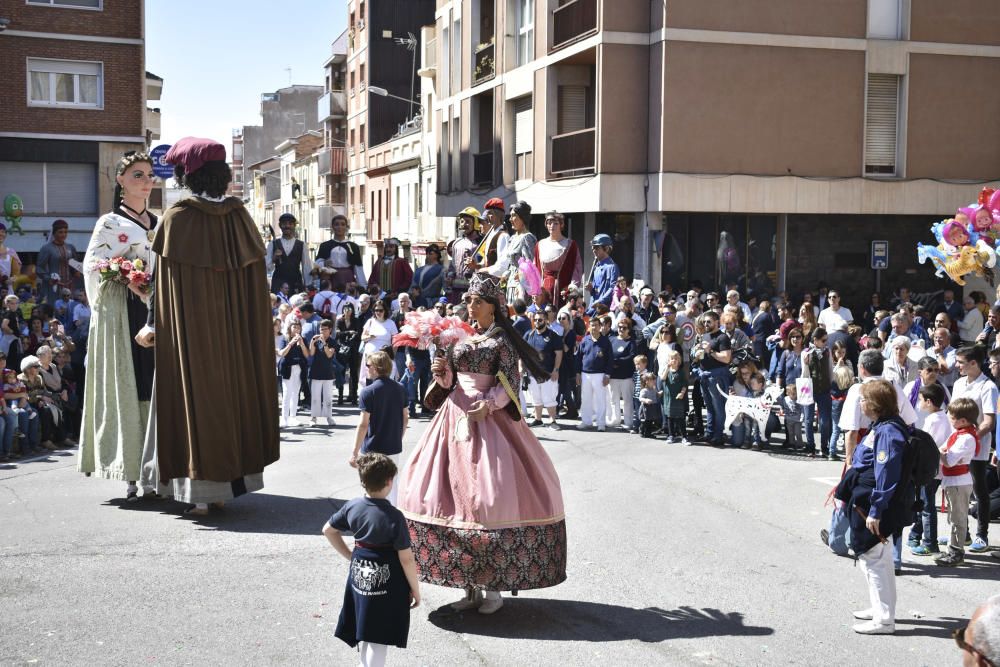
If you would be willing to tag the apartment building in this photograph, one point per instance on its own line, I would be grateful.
(382, 90)
(332, 113)
(764, 143)
(301, 188)
(75, 92)
(287, 112)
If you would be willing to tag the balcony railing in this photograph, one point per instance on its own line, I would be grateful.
(573, 153)
(485, 63)
(332, 105)
(573, 20)
(482, 168)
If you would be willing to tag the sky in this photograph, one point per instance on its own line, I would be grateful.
(216, 57)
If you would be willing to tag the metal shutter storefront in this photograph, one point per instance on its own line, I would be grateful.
(71, 188)
(881, 117)
(26, 180)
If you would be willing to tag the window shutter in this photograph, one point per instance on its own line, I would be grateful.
(524, 125)
(880, 124)
(72, 188)
(572, 108)
(24, 179)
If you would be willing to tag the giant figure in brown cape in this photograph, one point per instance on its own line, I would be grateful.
(216, 413)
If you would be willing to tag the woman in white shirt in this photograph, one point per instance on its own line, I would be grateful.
(376, 335)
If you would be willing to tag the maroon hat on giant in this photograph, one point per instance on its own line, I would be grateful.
(192, 152)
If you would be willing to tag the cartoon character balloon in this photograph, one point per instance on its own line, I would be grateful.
(955, 255)
(13, 208)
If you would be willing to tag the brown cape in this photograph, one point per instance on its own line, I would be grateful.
(216, 392)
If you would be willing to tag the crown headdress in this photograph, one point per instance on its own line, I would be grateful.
(485, 285)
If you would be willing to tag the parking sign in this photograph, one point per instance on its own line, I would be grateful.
(880, 254)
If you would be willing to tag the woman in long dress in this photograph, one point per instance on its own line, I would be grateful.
(558, 258)
(119, 379)
(480, 494)
(521, 245)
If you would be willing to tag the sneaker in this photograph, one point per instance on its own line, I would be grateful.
(600, 429)
(913, 542)
(584, 427)
(863, 615)
(950, 559)
(329, 421)
(943, 541)
(873, 628)
(833, 457)
(535, 422)
(921, 550)
(979, 545)
(554, 426)
(685, 441)
(824, 537)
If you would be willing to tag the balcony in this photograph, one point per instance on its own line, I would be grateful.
(332, 105)
(573, 153)
(428, 67)
(572, 21)
(485, 63)
(482, 168)
(153, 122)
(332, 162)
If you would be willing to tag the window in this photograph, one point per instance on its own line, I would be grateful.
(456, 50)
(65, 83)
(881, 114)
(75, 4)
(572, 108)
(525, 31)
(524, 137)
(885, 19)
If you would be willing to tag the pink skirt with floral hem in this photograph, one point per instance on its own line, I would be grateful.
(483, 500)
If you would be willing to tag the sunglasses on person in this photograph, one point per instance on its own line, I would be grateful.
(378, 310)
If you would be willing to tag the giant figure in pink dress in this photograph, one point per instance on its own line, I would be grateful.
(480, 494)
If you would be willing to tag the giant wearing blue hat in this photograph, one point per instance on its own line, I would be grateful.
(604, 273)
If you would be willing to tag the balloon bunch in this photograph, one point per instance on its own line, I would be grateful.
(966, 243)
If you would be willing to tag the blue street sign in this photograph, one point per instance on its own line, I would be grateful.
(161, 168)
(880, 254)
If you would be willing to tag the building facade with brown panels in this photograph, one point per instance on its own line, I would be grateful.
(75, 101)
(794, 132)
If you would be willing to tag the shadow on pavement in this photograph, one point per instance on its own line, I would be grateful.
(252, 513)
(976, 566)
(941, 628)
(569, 620)
(270, 514)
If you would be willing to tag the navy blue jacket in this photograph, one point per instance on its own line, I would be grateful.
(594, 356)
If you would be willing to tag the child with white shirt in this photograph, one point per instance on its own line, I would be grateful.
(923, 538)
(956, 453)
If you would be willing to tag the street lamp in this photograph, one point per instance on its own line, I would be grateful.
(382, 92)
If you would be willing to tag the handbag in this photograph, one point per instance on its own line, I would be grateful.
(437, 393)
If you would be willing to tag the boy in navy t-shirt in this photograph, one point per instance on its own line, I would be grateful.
(382, 584)
(384, 414)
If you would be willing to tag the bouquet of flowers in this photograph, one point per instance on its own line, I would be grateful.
(126, 272)
(421, 329)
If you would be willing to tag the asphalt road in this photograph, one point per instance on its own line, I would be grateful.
(677, 556)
